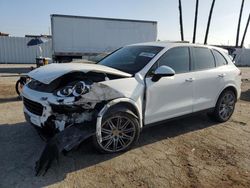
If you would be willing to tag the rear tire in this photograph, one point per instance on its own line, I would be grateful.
(120, 131)
(225, 106)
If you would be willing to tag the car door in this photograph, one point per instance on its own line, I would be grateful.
(170, 96)
(209, 79)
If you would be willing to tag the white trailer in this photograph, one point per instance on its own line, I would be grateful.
(77, 36)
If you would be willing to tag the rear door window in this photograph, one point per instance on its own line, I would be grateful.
(203, 58)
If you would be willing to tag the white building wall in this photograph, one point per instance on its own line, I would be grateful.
(15, 50)
(242, 57)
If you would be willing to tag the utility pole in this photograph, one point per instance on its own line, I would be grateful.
(209, 20)
(181, 22)
(245, 32)
(238, 29)
(195, 20)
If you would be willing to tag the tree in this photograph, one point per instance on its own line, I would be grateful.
(181, 22)
(209, 20)
(245, 32)
(195, 20)
(238, 29)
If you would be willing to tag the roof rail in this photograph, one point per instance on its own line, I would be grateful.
(180, 41)
(172, 41)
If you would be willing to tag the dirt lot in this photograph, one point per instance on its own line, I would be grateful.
(192, 152)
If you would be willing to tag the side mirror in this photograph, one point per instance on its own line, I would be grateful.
(162, 71)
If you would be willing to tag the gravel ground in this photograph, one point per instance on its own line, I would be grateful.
(192, 152)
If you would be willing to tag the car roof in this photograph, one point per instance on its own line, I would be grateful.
(171, 44)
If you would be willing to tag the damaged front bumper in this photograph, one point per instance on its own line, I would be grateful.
(63, 126)
(44, 111)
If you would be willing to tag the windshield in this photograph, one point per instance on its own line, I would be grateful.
(131, 59)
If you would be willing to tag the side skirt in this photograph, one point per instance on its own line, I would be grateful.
(179, 117)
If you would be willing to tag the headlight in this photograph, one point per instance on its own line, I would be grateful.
(65, 92)
(79, 89)
(76, 90)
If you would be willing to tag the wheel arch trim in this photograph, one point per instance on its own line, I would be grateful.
(227, 87)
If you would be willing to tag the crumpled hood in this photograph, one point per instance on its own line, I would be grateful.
(48, 73)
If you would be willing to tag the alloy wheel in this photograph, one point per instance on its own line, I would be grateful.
(117, 132)
(226, 106)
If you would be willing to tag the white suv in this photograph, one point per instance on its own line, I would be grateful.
(135, 86)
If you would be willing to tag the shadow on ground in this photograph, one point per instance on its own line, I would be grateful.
(10, 99)
(16, 70)
(21, 147)
(245, 95)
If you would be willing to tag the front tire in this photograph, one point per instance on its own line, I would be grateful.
(225, 106)
(19, 86)
(119, 131)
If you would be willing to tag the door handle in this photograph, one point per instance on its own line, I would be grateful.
(189, 80)
(221, 75)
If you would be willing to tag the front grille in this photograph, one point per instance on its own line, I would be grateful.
(33, 107)
(66, 109)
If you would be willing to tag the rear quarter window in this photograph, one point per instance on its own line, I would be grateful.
(219, 58)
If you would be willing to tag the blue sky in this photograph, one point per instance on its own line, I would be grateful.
(20, 17)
